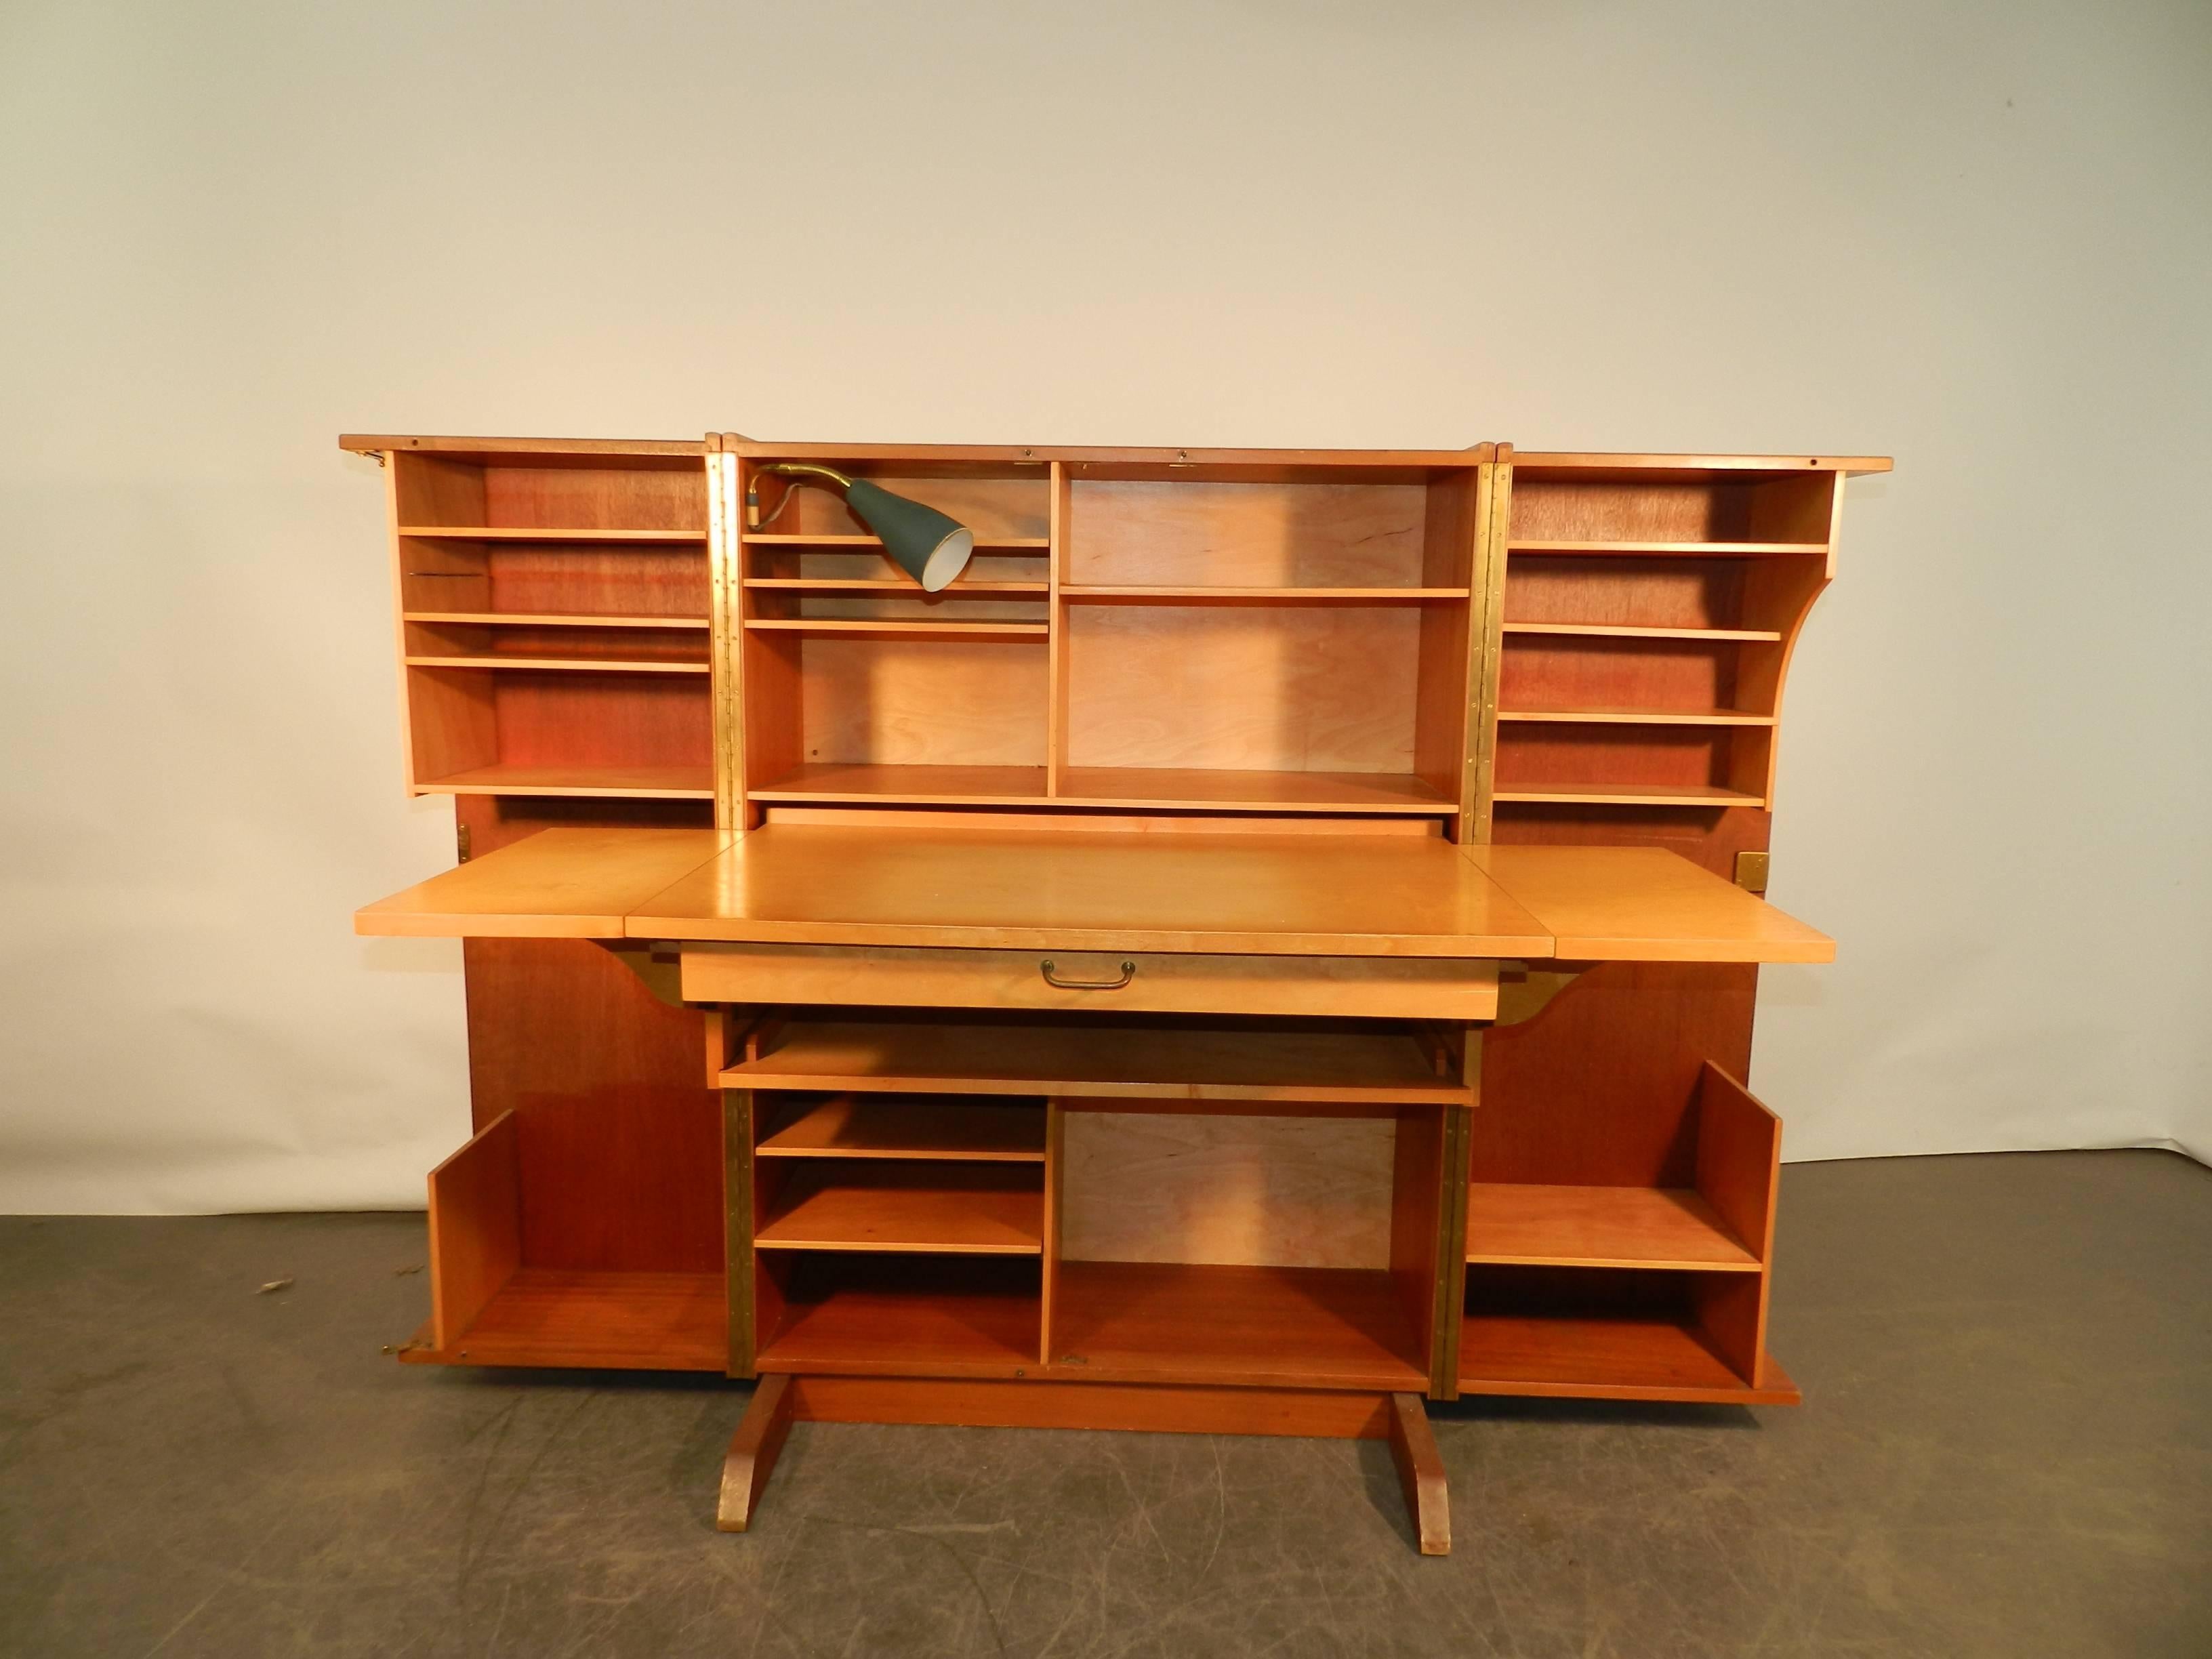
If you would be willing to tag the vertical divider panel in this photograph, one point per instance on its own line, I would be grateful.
(475, 1228)
(725, 591)
(1055, 736)
(1496, 519)
(1739, 1166)
(1451, 643)
(738, 1134)
(1054, 1145)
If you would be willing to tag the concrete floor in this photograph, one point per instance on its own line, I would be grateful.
(2006, 1449)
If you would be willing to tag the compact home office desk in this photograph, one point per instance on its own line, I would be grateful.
(1272, 943)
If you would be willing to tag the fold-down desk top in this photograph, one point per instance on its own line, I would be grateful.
(1244, 893)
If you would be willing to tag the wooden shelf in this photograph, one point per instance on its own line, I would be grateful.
(1603, 1357)
(867, 585)
(1264, 792)
(911, 786)
(1612, 631)
(1135, 1062)
(893, 1316)
(969, 1209)
(886, 628)
(1679, 550)
(924, 1127)
(1146, 1322)
(1158, 595)
(616, 1321)
(1529, 1226)
(550, 619)
(512, 533)
(567, 665)
(642, 782)
(983, 543)
(1629, 795)
(1638, 716)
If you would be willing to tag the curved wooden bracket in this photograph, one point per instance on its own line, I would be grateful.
(1421, 1469)
(656, 965)
(752, 1452)
(1524, 992)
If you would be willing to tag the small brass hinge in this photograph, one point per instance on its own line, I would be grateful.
(461, 841)
(1751, 871)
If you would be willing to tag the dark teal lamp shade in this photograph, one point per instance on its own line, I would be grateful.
(927, 545)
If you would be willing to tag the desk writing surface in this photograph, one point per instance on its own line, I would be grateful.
(557, 883)
(1259, 894)
(1644, 904)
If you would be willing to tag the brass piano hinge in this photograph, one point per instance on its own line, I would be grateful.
(1751, 871)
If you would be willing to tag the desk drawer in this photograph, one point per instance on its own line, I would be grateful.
(1380, 987)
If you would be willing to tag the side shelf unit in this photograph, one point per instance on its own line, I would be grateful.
(1646, 612)
(1625, 1261)
(1133, 633)
(555, 618)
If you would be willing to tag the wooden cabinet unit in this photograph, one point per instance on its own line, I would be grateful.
(1267, 944)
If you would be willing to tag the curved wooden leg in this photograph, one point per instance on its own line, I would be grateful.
(1421, 1468)
(753, 1448)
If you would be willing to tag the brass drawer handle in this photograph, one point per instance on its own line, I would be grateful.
(1128, 973)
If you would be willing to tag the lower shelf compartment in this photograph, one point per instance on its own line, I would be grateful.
(861, 1204)
(887, 1315)
(1523, 1223)
(1144, 1321)
(1597, 1334)
(670, 1322)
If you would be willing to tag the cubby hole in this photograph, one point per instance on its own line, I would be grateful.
(657, 497)
(897, 1315)
(562, 732)
(1223, 527)
(1199, 1245)
(1609, 1332)
(1008, 508)
(1671, 506)
(883, 716)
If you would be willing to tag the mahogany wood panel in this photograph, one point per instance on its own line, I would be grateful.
(620, 1146)
(1317, 1414)
(475, 1228)
(1596, 1090)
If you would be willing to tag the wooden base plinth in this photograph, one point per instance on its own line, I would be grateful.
(779, 1400)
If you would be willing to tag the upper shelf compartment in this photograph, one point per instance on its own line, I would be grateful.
(1671, 511)
(1212, 532)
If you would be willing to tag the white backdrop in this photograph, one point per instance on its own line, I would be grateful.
(1976, 237)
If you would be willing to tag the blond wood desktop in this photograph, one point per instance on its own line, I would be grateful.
(1268, 945)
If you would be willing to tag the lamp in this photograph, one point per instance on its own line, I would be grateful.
(929, 546)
